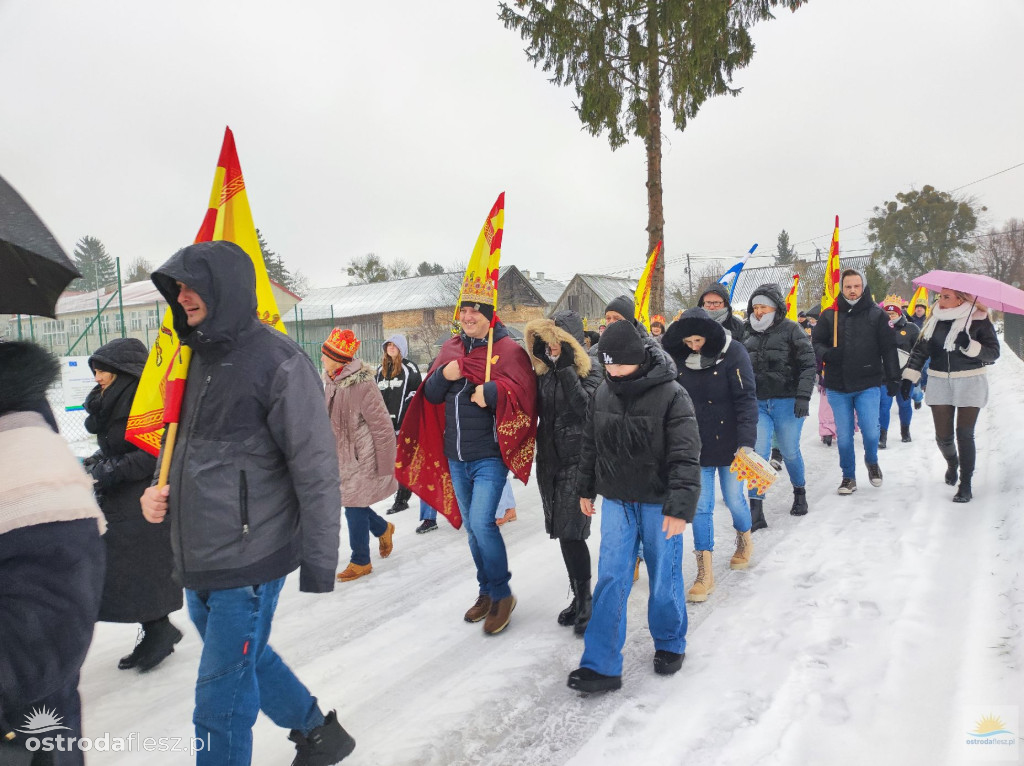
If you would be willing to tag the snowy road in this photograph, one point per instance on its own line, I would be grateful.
(874, 630)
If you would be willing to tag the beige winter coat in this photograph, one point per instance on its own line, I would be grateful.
(364, 434)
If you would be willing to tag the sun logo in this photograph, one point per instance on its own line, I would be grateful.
(988, 726)
(42, 720)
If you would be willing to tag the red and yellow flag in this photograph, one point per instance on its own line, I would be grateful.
(831, 293)
(920, 297)
(158, 399)
(480, 283)
(791, 310)
(642, 296)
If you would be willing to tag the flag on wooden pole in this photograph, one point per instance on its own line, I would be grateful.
(161, 387)
(791, 309)
(831, 291)
(920, 297)
(642, 295)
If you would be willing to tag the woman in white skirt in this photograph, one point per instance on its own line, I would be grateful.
(960, 340)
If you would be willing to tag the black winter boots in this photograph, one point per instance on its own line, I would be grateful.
(757, 514)
(578, 612)
(590, 681)
(401, 501)
(883, 434)
(905, 434)
(156, 645)
(326, 744)
(948, 450)
(799, 502)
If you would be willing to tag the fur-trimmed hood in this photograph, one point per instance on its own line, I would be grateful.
(556, 330)
(352, 373)
(26, 372)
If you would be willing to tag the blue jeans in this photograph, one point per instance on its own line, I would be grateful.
(427, 511)
(843, 405)
(775, 418)
(478, 485)
(240, 674)
(885, 405)
(623, 526)
(735, 500)
(361, 522)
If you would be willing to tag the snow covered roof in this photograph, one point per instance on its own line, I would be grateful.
(607, 288)
(435, 291)
(132, 294)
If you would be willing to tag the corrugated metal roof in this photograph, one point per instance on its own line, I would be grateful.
(607, 288)
(811, 283)
(550, 289)
(435, 291)
(132, 294)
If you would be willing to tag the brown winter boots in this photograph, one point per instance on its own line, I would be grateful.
(354, 572)
(704, 584)
(385, 542)
(744, 548)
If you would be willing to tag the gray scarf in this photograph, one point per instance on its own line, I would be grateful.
(762, 324)
(719, 315)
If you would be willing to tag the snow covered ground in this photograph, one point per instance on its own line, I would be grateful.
(876, 630)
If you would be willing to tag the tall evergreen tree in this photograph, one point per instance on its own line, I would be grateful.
(922, 230)
(94, 263)
(785, 253)
(276, 269)
(628, 59)
(426, 269)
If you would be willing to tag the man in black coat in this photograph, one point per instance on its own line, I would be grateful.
(906, 336)
(861, 360)
(715, 301)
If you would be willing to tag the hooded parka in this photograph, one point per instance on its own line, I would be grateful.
(399, 390)
(254, 474)
(782, 356)
(720, 383)
(139, 584)
(365, 439)
(730, 322)
(564, 390)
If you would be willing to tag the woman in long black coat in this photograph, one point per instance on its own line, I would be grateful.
(139, 585)
(567, 377)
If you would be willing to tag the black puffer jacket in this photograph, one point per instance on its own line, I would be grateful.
(906, 333)
(867, 345)
(254, 477)
(933, 348)
(732, 323)
(641, 442)
(782, 356)
(564, 391)
(139, 584)
(720, 383)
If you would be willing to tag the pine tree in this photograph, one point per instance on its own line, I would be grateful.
(276, 269)
(95, 265)
(785, 254)
(628, 59)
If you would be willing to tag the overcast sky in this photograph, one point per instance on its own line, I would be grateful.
(392, 126)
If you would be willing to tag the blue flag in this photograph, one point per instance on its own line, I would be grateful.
(732, 276)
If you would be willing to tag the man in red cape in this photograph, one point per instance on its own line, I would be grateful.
(461, 437)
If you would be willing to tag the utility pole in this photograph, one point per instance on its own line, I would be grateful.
(689, 276)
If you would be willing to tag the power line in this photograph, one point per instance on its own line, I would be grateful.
(709, 254)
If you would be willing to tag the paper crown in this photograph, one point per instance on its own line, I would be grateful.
(477, 290)
(893, 300)
(341, 345)
(658, 318)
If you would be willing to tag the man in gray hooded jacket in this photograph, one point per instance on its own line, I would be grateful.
(253, 494)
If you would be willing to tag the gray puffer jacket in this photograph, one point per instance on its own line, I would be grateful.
(254, 474)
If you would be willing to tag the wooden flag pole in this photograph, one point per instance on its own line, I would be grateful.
(165, 459)
(490, 346)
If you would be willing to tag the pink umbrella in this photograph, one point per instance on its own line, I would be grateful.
(991, 292)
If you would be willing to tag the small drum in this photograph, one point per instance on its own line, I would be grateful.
(754, 469)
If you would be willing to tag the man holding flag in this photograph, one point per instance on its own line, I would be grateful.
(476, 421)
(253, 494)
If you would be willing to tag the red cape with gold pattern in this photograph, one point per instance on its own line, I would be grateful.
(421, 464)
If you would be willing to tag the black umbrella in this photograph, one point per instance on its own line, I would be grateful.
(34, 270)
